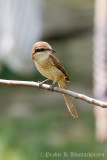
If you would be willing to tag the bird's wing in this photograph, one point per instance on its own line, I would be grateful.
(59, 66)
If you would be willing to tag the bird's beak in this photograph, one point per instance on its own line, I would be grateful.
(52, 50)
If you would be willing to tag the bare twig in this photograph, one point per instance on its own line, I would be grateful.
(55, 89)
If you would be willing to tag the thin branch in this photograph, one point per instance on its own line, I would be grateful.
(55, 89)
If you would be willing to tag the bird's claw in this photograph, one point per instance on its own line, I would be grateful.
(52, 86)
(40, 83)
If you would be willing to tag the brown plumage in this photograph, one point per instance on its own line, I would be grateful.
(50, 67)
(59, 66)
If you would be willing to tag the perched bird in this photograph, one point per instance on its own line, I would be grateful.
(50, 67)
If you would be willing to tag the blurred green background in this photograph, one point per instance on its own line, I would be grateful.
(34, 121)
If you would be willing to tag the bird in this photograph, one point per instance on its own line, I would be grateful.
(50, 67)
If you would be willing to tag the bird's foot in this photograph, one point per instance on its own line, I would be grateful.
(40, 83)
(52, 86)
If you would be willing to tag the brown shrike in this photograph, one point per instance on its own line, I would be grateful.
(50, 67)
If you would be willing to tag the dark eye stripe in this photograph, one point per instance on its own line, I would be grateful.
(41, 50)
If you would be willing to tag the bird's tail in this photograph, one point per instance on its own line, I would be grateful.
(68, 100)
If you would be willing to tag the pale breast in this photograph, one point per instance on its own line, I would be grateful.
(49, 71)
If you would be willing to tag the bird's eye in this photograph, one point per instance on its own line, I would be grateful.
(39, 50)
(36, 50)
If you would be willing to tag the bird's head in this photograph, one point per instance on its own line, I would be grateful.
(41, 49)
